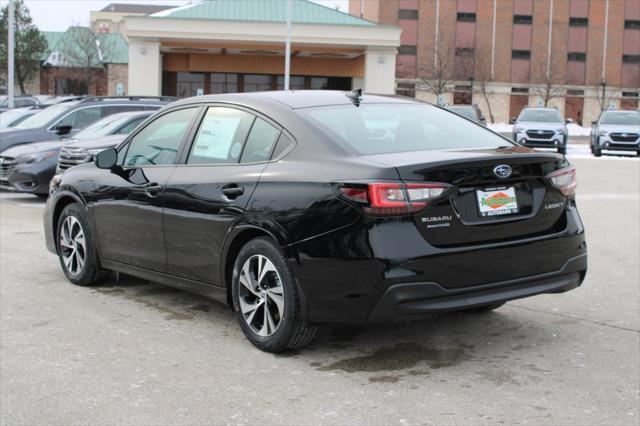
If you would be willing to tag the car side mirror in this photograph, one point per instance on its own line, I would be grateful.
(107, 159)
(63, 130)
(568, 121)
(512, 121)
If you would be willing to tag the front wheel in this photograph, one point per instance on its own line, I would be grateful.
(76, 250)
(266, 299)
(562, 151)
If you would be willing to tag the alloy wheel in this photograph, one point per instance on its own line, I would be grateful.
(73, 248)
(261, 295)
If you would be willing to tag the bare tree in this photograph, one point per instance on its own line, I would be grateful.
(483, 76)
(550, 77)
(438, 76)
(85, 52)
(604, 95)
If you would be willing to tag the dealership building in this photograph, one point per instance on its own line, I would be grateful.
(582, 55)
(223, 46)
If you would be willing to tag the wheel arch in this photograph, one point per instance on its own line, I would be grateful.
(62, 201)
(237, 238)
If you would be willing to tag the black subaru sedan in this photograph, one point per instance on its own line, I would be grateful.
(304, 208)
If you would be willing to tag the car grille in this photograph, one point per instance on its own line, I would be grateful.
(623, 137)
(536, 134)
(7, 164)
(70, 157)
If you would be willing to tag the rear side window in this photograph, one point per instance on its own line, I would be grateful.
(221, 136)
(127, 128)
(114, 109)
(159, 141)
(284, 142)
(260, 142)
(388, 128)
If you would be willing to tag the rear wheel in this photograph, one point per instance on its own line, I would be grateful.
(485, 308)
(266, 299)
(76, 249)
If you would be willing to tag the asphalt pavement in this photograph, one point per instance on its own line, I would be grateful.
(133, 352)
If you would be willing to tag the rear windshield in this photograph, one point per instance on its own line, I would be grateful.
(464, 111)
(388, 128)
(620, 117)
(540, 116)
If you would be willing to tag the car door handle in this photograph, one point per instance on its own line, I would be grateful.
(151, 189)
(232, 191)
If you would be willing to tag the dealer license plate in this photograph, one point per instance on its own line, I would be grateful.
(497, 202)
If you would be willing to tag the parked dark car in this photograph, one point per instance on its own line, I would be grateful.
(616, 130)
(539, 127)
(65, 119)
(313, 207)
(29, 167)
(472, 112)
(20, 101)
(12, 118)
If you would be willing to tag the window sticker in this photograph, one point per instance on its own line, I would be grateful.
(215, 137)
(235, 150)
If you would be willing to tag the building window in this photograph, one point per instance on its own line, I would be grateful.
(629, 94)
(407, 50)
(296, 82)
(520, 54)
(466, 17)
(579, 22)
(575, 92)
(631, 59)
(465, 51)
(188, 84)
(632, 24)
(522, 19)
(257, 82)
(577, 56)
(69, 86)
(406, 89)
(520, 90)
(319, 83)
(224, 83)
(407, 14)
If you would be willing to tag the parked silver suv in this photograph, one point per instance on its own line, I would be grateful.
(616, 130)
(541, 128)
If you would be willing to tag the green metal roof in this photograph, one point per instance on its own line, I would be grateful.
(303, 12)
(114, 48)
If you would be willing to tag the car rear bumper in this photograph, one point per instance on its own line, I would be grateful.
(388, 272)
(405, 302)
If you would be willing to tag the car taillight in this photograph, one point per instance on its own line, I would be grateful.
(564, 180)
(393, 199)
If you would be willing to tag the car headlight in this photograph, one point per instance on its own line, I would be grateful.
(36, 157)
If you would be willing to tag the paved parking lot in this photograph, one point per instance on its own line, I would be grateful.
(139, 353)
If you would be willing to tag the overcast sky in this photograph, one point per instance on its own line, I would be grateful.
(58, 15)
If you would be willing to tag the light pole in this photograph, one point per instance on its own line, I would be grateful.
(287, 49)
(604, 87)
(10, 59)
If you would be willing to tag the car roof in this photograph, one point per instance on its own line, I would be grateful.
(296, 99)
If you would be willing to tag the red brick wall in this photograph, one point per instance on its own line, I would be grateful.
(48, 78)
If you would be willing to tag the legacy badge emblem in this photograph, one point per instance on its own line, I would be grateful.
(502, 171)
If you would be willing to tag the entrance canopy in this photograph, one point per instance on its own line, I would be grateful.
(218, 46)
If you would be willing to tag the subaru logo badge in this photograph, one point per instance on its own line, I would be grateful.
(624, 135)
(502, 171)
(540, 132)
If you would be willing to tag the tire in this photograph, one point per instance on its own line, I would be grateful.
(78, 256)
(596, 152)
(562, 151)
(42, 196)
(484, 308)
(282, 326)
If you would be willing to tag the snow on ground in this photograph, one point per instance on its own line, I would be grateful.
(574, 129)
(583, 151)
